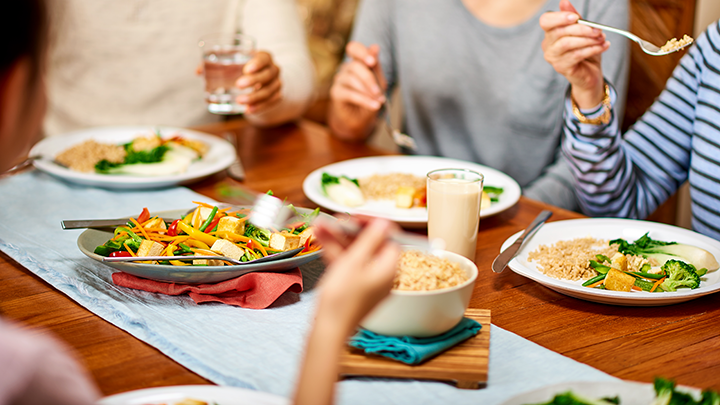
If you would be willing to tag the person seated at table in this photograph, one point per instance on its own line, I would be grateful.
(473, 82)
(677, 139)
(33, 369)
(134, 63)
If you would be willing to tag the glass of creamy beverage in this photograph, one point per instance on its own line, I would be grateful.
(224, 56)
(453, 204)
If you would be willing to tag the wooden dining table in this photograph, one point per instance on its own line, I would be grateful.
(681, 341)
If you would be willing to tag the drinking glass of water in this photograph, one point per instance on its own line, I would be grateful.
(224, 57)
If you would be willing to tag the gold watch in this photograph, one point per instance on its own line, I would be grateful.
(601, 120)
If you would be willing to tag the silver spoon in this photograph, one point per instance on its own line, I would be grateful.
(647, 47)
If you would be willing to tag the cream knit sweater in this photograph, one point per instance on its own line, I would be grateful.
(132, 62)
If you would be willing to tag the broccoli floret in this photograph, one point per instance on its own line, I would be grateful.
(679, 274)
(710, 398)
(666, 394)
(571, 398)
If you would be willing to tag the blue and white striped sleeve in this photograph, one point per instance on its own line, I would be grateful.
(631, 177)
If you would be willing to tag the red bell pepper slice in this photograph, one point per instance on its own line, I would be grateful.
(172, 230)
(144, 216)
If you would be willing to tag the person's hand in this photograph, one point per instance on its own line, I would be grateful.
(360, 271)
(575, 51)
(356, 83)
(357, 93)
(262, 76)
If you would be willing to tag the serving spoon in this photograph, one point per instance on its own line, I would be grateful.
(276, 256)
(647, 47)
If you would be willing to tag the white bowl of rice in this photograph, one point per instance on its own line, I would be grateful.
(430, 295)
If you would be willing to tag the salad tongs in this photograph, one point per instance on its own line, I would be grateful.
(276, 256)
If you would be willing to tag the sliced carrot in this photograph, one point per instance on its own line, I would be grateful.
(657, 284)
(142, 230)
(593, 285)
(636, 288)
(259, 246)
(129, 250)
(202, 204)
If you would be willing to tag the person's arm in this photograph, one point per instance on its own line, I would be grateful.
(38, 370)
(555, 184)
(616, 177)
(278, 30)
(365, 79)
(359, 275)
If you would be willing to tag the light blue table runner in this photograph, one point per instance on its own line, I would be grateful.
(257, 349)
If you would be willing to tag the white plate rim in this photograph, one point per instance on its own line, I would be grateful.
(630, 392)
(396, 163)
(220, 155)
(631, 226)
(221, 394)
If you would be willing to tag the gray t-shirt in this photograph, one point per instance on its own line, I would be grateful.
(485, 94)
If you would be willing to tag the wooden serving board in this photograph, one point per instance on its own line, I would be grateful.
(465, 365)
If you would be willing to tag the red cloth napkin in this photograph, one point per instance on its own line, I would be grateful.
(252, 290)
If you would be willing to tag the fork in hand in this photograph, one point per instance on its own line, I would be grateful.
(647, 47)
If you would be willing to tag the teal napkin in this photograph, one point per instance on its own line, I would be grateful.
(411, 350)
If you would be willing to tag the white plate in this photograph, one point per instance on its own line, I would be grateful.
(630, 393)
(219, 156)
(607, 228)
(208, 393)
(417, 165)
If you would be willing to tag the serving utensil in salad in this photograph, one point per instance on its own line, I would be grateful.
(271, 213)
(276, 256)
(647, 47)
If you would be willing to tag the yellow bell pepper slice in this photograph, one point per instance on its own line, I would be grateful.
(196, 234)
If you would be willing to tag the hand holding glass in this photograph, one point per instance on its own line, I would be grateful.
(224, 57)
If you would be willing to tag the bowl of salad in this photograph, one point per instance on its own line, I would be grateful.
(205, 231)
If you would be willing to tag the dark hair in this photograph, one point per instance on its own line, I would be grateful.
(24, 27)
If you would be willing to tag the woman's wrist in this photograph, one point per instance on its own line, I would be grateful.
(588, 98)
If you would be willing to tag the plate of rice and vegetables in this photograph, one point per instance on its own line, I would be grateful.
(394, 187)
(133, 157)
(620, 261)
(661, 391)
(171, 241)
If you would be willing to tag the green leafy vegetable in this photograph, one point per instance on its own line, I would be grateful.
(493, 192)
(664, 251)
(132, 157)
(343, 190)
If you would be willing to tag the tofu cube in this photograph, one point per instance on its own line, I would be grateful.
(207, 262)
(150, 248)
(156, 223)
(306, 235)
(146, 143)
(616, 280)
(227, 248)
(404, 197)
(231, 224)
(284, 241)
(619, 261)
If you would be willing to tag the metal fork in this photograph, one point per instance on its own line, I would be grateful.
(270, 212)
(647, 47)
(398, 137)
